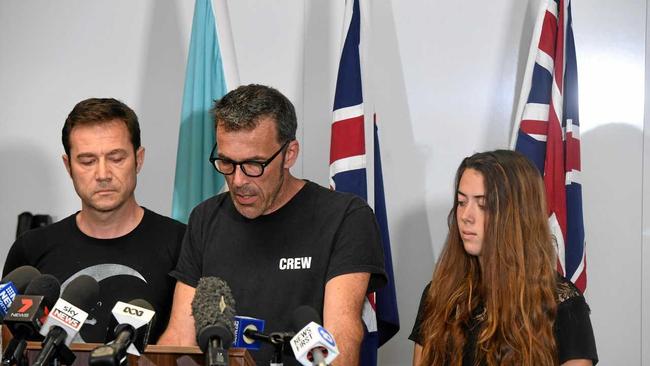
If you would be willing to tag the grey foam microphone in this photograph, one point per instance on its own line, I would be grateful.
(213, 309)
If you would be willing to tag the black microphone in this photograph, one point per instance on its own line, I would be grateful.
(65, 320)
(15, 283)
(131, 334)
(213, 309)
(26, 315)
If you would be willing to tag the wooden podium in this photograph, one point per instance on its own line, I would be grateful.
(153, 355)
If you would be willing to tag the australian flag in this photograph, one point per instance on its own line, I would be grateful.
(547, 130)
(348, 174)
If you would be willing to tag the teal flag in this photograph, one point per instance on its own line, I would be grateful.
(196, 180)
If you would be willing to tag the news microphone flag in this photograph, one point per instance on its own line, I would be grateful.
(243, 324)
(547, 131)
(138, 317)
(310, 339)
(8, 293)
(348, 163)
(211, 71)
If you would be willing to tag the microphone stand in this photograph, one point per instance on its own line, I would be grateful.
(54, 349)
(217, 355)
(277, 339)
(14, 353)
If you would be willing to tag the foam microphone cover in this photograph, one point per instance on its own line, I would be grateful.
(146, 305)
(82, 292)
(142, 303)
(21, 277)
(304, 315)
(213, 309)
(47, 286)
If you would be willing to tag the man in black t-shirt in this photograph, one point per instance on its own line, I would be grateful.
(277, 240)
(128, 249)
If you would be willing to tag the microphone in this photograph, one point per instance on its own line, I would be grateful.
(14, 283)
(249, 332)
(313, 345)
(131, 334)
(213, 309)
(66, 318)
(26, 315)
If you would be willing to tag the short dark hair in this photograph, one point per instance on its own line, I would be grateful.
(242, 109)
(97, 111)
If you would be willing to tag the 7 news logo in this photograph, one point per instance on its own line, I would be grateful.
(27, 304)
(23, 312)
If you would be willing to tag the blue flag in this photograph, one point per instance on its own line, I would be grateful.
(205, 81)
(348, 174)
(386, 297)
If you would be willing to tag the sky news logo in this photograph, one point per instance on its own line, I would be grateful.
(66, 318)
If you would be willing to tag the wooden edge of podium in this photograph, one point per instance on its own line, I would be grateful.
(84, 347)
(238, 356)
(154, 352)
(152, 348)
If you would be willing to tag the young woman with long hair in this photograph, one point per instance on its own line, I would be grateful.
(495, 297)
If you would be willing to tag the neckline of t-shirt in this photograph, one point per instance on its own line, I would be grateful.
(309, 185)
(133, 232)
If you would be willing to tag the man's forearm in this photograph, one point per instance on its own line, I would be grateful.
(348, 340)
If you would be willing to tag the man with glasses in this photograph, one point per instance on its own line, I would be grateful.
(278, 241)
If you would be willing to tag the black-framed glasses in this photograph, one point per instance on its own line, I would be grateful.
(251, 168)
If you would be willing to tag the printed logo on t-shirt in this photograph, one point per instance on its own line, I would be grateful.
(295, 263)
(97, 323)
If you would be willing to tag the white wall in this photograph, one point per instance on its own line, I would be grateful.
(444, 81)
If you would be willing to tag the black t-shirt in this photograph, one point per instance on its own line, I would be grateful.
(134, 266)
(574, 335)
(277, 262)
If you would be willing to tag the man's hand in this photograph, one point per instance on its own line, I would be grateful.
(180, 330)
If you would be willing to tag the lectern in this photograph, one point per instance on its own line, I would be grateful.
(153, 355)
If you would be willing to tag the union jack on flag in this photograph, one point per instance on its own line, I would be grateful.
(547, 130)
(348, 174)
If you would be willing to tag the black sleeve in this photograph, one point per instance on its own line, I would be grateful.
(573, 332)
(358, 248)
(416, 335)
(189, 266)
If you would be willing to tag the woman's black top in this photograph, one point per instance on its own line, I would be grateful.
(574, 335)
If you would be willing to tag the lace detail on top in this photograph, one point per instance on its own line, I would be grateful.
(566, 290)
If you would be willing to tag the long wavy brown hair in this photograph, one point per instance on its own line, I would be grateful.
(514, 283)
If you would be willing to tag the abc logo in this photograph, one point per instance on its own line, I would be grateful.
(132, 311)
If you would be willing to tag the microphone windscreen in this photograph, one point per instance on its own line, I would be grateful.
(213, 304)
(82, 292)
(142, 303)
(304, 315)
(47, 286)
(21, 277)
(145, 304)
